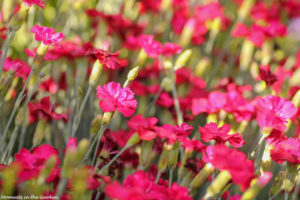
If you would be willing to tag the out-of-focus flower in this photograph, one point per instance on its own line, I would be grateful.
(49, 85)
(44, 110)
(113, 97)
(144, 127)
(170, 49)
(223, 158)
(109, 60)
(39, 3)
(214, 103)
(175, 132)
(287, 150)
(273, 112)
(140, 185)
(18, 66)
(32, 162)
(266, 74)
(152, 47)
(47, 35)
(220, 135)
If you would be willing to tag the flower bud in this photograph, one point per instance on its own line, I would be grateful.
(164, 158)
(187, 33)
(245, 9)
(256, 186)
(9, 178)
(95, 74)
(47, 168)
(167, 84)
(146, 151)
(174, 156)
(246, 54)
(202, 176)
(106, 118)
(133, 140)
(133, 73)
(202, 66)
(266, 159)
(218, 184)
(290, 179)
(182, 59)
(82, 149)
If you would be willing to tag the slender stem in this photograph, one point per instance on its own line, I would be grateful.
(98, 139)
(114, 158)
(177, 106)
(10, 36)
(157, 177)
(11, 144)
(257, 145)
(286, 195)
(61, 187)
(78, 115)
(171, 177)
(153, 101)
(17, 104)
(275, 195)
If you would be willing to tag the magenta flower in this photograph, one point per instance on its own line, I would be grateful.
(152, 47)
(32, 162)
(220, 135)
(170, 49)
(39, 3)
(287, 150)
(273, 112)
(144, 127)
(109, 60)
(47, 35)
(113, 97)
(223, 158)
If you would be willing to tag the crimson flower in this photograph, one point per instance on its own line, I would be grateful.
(220, 135)
(47, 35)
(32, 162)
(39, 3)
(109, 60)
(144, 127)
(266, 74)
(18, 66)
(223, 158)
(287, 150)
(175, 132)
(113, 97)
(141, 185)
(273, 112)
(44, 110)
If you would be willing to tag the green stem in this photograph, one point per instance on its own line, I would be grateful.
(157, 177)
(114, 158)
(98, 139)
(10, 36)
(78, 115)
(153, 101)
(171, 177)
(176, 104)
(61, 187)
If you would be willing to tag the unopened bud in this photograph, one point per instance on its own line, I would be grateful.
(167, 84)
(133, 140)
(146, 151)
(290, 179)
(245, 8)
(106, 118)
(96, 72)
(82, 149)
(47, 168)
(133, 73)
(246, 54)
(164, 158)
(218, 184)
(182, 59)
(296, 99)
(202, 176)
(174, 156)
(202, 66)
(187, 33)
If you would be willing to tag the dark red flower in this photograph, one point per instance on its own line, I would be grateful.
(109, 60)
(44, 110)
